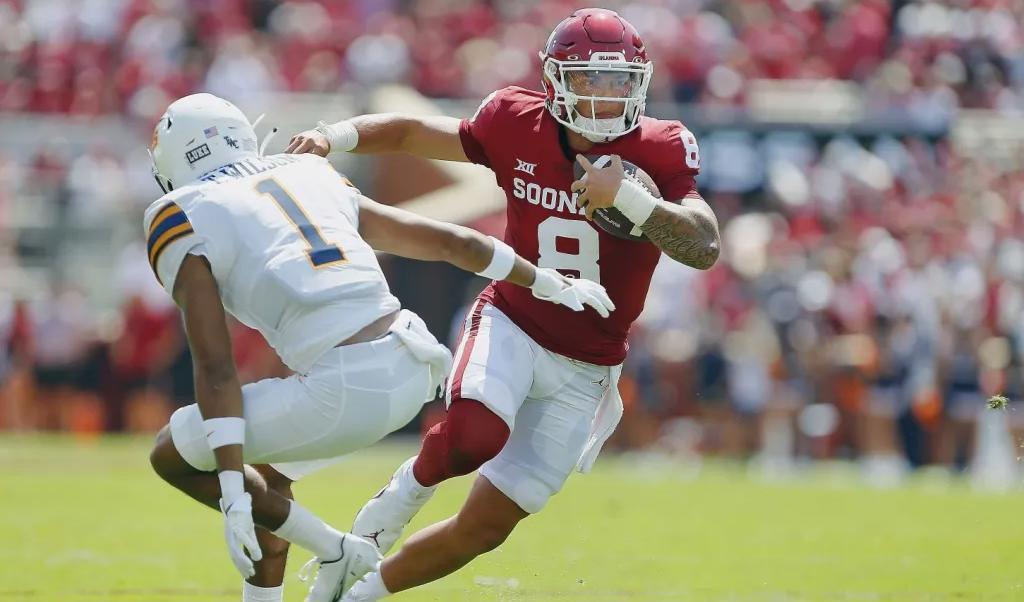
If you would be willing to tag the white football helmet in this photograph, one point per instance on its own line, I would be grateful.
(197, 134)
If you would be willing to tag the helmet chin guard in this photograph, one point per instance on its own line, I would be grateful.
(600, 130)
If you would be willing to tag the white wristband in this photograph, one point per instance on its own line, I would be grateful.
(342, 136)
(502, 262)
(232, 485)
(224, 431)
(634, 201)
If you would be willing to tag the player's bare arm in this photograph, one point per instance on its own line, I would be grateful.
(219, 395)
(687, 232)
(432, 137)
(218, 390)
(406, 234)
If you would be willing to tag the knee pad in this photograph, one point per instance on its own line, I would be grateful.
(524, 485)
(475, 435)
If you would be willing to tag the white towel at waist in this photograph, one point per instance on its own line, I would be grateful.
(609, 412)
(411, 330)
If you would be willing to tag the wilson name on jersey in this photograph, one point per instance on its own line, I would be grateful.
(281, 234)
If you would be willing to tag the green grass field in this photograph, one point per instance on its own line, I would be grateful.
(89, 522)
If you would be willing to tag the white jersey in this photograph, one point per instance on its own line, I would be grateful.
(281, 234)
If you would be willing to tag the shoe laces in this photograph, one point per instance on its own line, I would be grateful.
(308, 569)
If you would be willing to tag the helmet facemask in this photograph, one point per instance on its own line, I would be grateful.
(162, 181)
(600, 99)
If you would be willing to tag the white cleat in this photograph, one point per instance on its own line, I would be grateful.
(360, 591)
(382, 519)
(335, 577)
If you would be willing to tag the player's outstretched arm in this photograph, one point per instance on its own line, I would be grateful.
(433, 137)
(403, 233)
(406, 234)
(219, 396)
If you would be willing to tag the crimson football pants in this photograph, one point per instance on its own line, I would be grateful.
(468, 437)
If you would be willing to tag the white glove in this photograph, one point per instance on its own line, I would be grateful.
(240, 533)
(573, 293)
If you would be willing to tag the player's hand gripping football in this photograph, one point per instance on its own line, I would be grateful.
(574, 293)
(310, 141)
(599, 185)
(240, 533)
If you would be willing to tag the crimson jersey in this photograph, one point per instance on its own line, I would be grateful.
(513, 134)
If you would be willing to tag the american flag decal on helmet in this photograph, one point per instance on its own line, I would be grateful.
(210, 132)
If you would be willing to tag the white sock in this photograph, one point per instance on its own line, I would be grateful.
(368, 589)
(251, 593)
(409, 477)
(304, 529)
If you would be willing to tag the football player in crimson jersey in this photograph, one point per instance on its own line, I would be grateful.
(533, 394)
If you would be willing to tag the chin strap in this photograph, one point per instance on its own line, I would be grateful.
(266, 141)
(270, 136)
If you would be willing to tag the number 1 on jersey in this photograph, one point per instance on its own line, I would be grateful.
(320, 251)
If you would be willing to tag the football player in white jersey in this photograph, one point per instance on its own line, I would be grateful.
(286, 245)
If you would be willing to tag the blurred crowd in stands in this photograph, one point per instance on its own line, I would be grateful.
(90, 57)
(877, 282)
(889, 284)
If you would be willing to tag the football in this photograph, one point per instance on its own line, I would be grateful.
(611, 219)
